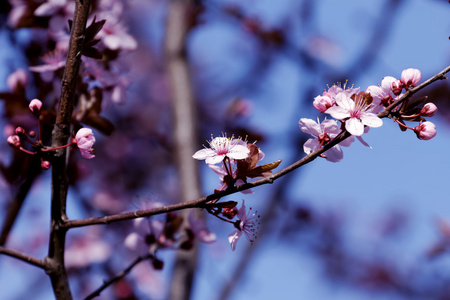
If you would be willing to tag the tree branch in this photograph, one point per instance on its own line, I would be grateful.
(23, 257)
(60, 135)
(118, 276)
(200, 202)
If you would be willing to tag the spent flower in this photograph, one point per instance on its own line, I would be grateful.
(246, 224)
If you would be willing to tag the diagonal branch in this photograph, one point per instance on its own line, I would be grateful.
(19, 255)
(118, 276)
(200, 202)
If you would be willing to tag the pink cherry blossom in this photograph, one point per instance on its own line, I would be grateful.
(382, 95)
(85, 141)
(328, 98)
(14, 140)
(323, 133)
(35, 105)
(246, 224)
(322, 103)
(428, 110)
(198, 227)
(410, 77)
(355, 113)
(425, 130)
(222, 147)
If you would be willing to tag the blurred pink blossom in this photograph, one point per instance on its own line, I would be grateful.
(85, 141)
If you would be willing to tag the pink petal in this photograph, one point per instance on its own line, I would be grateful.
(354, 126)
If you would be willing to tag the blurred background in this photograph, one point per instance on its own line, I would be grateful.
(374, 226)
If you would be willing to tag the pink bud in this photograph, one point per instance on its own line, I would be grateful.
(322, 103)
(45, 164)
(14, 140)
(425, 130)
(32, 134)
(35, 105)
(428, 110)
(411, 77)
(85, 141)
(396, 87)
(19, 130)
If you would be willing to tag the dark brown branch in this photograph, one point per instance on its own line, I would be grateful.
(118, 276)
(202, 201)
(23, 257)
(60, 135)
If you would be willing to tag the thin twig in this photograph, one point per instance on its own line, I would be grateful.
(232, 190)
(118, 276)
(23, 257)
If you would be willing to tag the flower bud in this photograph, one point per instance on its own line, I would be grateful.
(428, 110)
(425, 130)
(35, 106)
(85, 141)
(322, 103)
(45, 164)
(32, 134)
(396, 87)
(410, 77)
(19, 130)
(14, 140)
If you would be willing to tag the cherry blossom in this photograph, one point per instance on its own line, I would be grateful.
(328, 98)
(35, 105)
(425, 130)
(222, 147)
(198, 227)
(85, 141)
(323, 133)
(17, 79)
(428, 110)
(14, 140)
(246, 224)
(410, 77)
(355, 112)
(382, 95)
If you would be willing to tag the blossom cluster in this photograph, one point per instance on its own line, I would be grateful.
(84, 139)
(357, 111)
(238, 161)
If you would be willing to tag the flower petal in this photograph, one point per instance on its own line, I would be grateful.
(233, 238)
(338, 112)
(309, 126)
(203, 154)
(371, 119)
(334, 154)
(354, 126)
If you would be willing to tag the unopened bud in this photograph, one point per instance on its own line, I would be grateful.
(32, 134)
(428, 110)
(411, 77)
(397, 87)
(14, 140)
(19, 130)
(425, 130)
(45, 164)
(35, 106)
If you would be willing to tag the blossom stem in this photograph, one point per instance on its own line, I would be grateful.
(26, 151)
(403, 125)
(56, 148)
